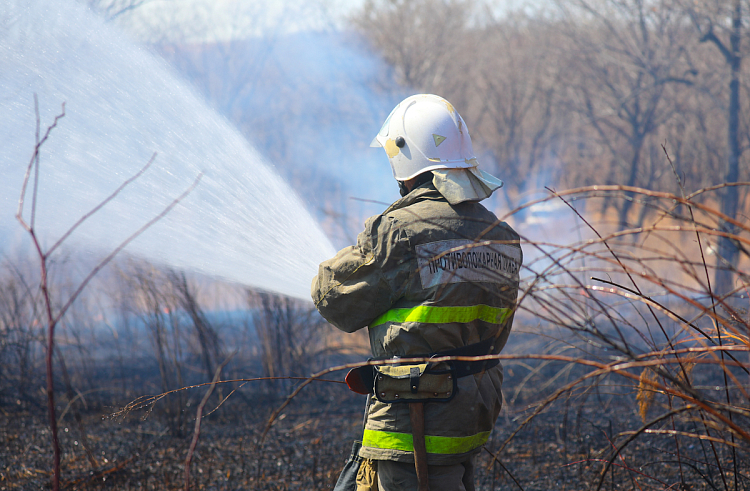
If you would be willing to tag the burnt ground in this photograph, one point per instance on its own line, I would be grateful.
(562, 448)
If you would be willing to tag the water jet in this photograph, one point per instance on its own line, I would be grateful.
(242, 223)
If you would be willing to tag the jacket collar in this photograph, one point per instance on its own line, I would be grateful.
(426, 191)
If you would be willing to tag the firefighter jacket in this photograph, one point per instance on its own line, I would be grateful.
(425, 277)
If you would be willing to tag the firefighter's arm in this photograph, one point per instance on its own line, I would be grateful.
(365, 280)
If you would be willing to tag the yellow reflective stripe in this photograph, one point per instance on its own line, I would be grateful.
(442, 315)
(435, 444)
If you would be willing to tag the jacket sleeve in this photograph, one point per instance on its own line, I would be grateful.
(363, 281)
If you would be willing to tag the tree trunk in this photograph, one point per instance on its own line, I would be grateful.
(728, 252)
(637, 145)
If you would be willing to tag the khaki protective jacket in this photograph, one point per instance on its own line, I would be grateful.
(425, 277)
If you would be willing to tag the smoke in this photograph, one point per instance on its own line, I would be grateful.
(311, 102)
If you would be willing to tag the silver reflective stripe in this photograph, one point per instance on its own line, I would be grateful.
(458, 261)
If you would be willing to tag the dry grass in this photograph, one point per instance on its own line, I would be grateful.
(626, 369)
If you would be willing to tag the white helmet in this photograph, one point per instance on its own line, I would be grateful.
(423, 133)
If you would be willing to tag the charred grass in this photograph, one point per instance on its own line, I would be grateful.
(546, 437)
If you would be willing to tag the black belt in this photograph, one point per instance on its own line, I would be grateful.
(464, 368)
(362, 379)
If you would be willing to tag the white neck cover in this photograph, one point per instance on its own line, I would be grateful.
(459, 185)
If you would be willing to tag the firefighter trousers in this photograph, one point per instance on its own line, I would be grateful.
(388, 475)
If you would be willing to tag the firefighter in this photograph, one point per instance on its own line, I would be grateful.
(435, 274)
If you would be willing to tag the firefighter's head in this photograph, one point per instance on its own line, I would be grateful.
(423, 133)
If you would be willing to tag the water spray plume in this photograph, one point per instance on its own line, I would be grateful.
(123, 104)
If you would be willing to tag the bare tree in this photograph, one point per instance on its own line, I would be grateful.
(54, 312)
(583, 96)
(209, 343)
(21, 333)
(624, 57)
(513, 104)
(720, 24)
(157, 308)
(421, 39)
(289, 335)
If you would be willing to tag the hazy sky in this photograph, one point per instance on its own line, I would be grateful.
(201, 20)
(198, 20)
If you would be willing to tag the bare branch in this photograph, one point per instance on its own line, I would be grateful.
(100, 205)
(710, 36)
(34, 157)
(198, 418)
(119, 248)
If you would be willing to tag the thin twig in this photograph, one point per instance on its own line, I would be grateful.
(495, 458)
(635, 435)
(100, 205)
(24, 186)
(198, 418)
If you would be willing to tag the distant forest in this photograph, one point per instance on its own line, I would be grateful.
(566, 94)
